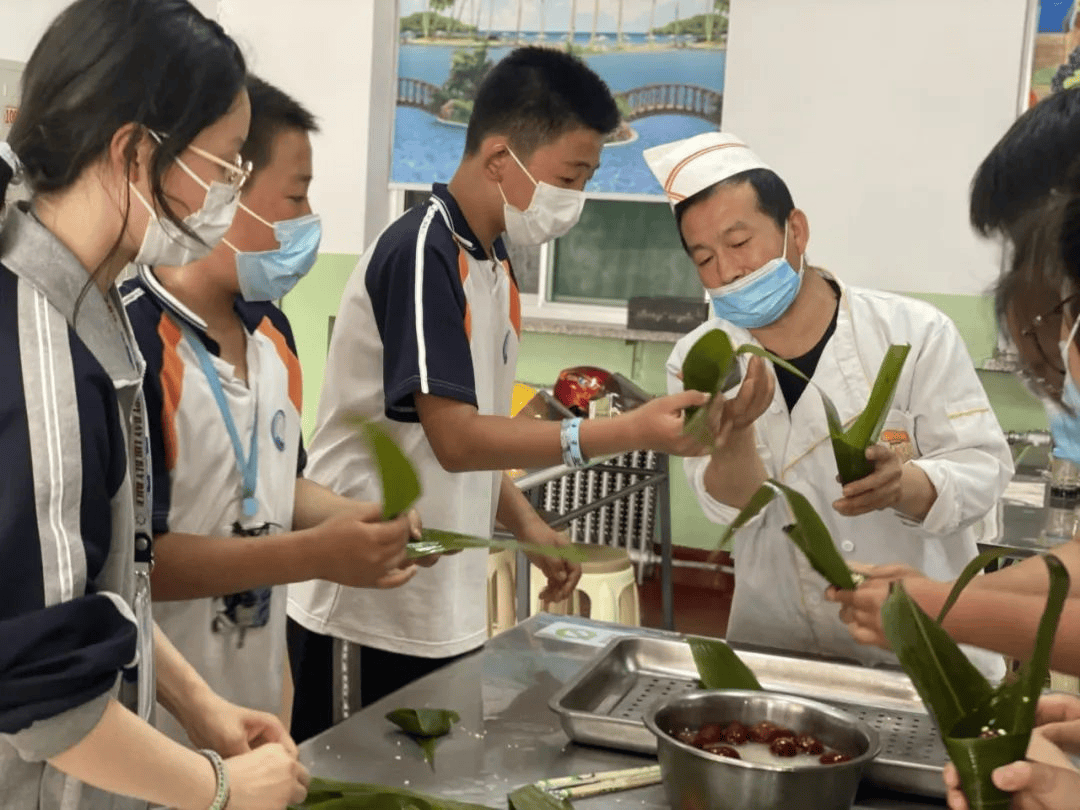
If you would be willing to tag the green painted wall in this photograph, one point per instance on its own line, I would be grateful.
(315, 300)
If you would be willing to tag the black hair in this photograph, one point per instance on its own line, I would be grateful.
(1030, 160)
(272, 110)
(102, 64)
(773, 197)
(535, 95)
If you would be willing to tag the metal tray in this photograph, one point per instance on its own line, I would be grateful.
(604, 703)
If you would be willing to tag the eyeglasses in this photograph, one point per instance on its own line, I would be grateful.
(236, 173)
(1044, 333)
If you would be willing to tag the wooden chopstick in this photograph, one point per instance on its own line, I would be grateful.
(593, 784)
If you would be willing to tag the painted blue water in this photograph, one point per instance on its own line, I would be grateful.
(622, 70)
(426, 150)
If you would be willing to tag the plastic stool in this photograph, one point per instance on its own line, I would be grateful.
(608, 582)
(501, 579)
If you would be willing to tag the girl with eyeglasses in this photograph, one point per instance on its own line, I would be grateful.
(133, 114)
(1038, 305)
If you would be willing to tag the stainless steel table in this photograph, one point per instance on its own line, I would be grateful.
(507, 736)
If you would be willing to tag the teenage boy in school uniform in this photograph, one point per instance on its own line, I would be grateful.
(425, 343)
(233, 517)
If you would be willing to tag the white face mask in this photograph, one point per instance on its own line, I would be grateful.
(164, 244)
(552, 212)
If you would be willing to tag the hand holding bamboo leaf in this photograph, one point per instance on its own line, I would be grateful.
(711, 360)
(983, 728)
(808, 531)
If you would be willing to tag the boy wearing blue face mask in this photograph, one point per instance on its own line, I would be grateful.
(942, 463)
(425, 343)
(233, 517)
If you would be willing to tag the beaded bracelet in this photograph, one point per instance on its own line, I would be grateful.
(221, 795)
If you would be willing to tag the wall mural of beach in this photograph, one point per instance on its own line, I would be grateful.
(664, 60)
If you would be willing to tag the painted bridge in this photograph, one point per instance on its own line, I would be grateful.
(651, 99)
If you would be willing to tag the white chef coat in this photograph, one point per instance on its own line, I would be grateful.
(940, 416)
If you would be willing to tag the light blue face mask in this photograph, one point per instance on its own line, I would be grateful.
(268, 274)
(1065, 426)
(760, 298)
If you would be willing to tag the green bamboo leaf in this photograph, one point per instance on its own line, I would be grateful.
(708, 362)
(850, 446)
(812, 537)
(965, 706)
(948, 683)
(400, 485)
(718, 666)
(530, 797)
(427, 746)
(758, 501)
(424, 722)
(326, 794)
(970, 571)
(425, 726)
(867, 427)
(440, 541)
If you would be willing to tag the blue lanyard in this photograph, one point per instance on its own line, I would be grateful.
(249, 469)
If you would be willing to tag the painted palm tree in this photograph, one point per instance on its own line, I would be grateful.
(595, 14)
(540, 37)
(652, 20)
(573, 18)
(517, 39)
(618, 35)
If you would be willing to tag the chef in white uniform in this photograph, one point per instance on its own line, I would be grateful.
(941, 464)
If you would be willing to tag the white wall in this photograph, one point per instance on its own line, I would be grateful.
(340, 63)
(24, 21)
(876, 113)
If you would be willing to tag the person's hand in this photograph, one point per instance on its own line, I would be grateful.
(727, 416)
(880, 489)
(268, 778)
(658, 424)
(213, 722)
(415, 528)
(562, 575)
(365, 554)
(1047, 780)
(860, 609)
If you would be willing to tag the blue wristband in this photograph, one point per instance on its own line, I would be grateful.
(571, 443)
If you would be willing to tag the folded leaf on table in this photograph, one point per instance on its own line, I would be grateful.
(326, 794)
(808, 532)
(424, 722)
(530, 797)
(400, 485)
(440, 541)
(718, 666)
(425, 726)
(983, 727)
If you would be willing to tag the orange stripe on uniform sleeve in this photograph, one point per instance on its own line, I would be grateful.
(463, 272)
(515, 299)
(296, 383)
(172, 385)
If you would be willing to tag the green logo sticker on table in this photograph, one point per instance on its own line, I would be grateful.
(579, 634)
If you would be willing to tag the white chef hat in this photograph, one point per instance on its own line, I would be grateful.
(688, 166)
